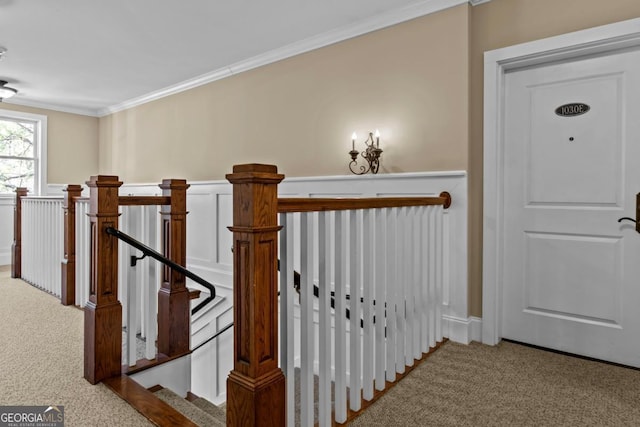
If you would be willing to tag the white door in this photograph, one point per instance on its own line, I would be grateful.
(572, 167)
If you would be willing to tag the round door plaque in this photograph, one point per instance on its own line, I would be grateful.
(573, 109)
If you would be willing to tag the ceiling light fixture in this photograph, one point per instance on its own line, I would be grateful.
(6, 91)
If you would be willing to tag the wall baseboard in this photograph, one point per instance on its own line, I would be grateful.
(462, 330)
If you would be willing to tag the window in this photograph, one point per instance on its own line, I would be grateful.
(22, 152)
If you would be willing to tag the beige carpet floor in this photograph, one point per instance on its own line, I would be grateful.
(41, 360)
(509, 385)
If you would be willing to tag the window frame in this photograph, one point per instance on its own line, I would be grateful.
(40, 147)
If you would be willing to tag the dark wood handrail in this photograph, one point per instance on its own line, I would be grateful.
(135, 200)
(323, 204)
(144, 200)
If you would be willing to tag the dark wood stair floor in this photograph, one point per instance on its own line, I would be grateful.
(148, 404)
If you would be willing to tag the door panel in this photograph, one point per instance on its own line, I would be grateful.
(571, 271)
(573, 288)
(589, 143)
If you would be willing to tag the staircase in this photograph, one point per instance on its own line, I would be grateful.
(197, 409)
(164, 408)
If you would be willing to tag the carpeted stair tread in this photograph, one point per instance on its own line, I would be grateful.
(189, 410)
(211, 409)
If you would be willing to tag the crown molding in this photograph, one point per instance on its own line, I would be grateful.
(416, 10)
(91, 112)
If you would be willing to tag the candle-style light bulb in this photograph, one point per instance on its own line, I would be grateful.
(353, 141)
(377, 135)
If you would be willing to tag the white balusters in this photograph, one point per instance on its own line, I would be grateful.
(401, 289)
(439, 271)
(420, 284)
(324, 332)
(391, 283)
(355, 286)
(306, 319)
(42, 242)
(385, 267)
(133, 276)
(410, 287)
(150, 233)
(381, 297)
(340, 317)
(83, 260)
(368, 288)
(139, 283)
(432, 275)
(422, 281)
(287, 328)
(43, 250)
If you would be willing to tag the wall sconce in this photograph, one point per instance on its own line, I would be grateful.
(371, 154)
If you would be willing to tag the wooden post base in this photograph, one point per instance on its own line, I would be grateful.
(103, 341)
(68, 292)
(173, 321)
(256, 402)
(16, 261)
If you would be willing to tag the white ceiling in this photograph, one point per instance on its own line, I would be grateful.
(94, 57)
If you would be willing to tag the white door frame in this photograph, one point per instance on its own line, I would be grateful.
(496, 63)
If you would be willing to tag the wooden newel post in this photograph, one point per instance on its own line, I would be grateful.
(173, 297)
(68, 265)
(256, 386)
(103, 312)
(16, 246)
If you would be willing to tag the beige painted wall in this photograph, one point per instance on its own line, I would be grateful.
(502, 23)
(72, 145)
(420, 82)
(409, 80)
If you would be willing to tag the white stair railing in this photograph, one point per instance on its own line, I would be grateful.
(384, 267)
(83, 260)
(42, 251)
(139, 283)
(42, 242)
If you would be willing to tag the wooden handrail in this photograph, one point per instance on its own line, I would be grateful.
(135, 200)
(42, 197)
(144, 200)
(324, 204)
